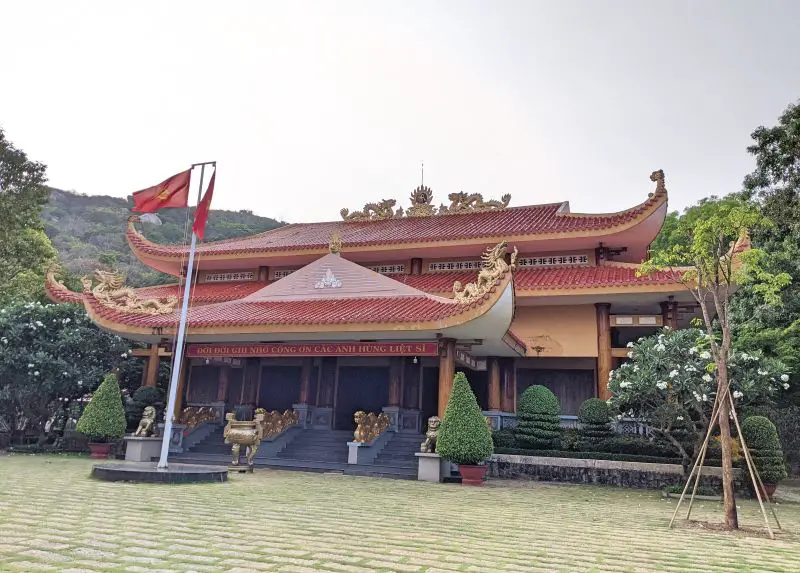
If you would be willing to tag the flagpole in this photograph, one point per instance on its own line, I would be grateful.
(177, 353)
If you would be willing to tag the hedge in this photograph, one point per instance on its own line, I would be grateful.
(761, 437)
(539, 413)
(596, 456)
(595, 421)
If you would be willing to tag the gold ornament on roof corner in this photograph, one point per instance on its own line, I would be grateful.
(112, 292)
(335, 244)
(373, 212)
(473, 203)
(658, 178)
(421, 206)
(494, 267)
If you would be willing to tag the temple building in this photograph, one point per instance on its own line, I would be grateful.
(377, 310)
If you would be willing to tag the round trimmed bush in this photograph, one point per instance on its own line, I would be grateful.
(103, 419)
(595, 419)
(761, 437)
(464, 438)
(539, 413)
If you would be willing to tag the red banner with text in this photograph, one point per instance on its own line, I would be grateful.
(313, 349)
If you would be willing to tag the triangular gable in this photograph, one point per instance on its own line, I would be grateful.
(334, 277)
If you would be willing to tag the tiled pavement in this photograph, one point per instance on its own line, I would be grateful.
(54, 518)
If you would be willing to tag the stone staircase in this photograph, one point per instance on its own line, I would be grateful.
(315, 450)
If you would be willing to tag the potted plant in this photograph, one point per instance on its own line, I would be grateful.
(464, 437)
(761, 438)
(103, 419)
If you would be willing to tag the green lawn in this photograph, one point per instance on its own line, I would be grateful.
(54, 517)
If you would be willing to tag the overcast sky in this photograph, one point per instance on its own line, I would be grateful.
(309, 107)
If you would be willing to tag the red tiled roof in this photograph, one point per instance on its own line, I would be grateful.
(527, 220)
(606, 275)
(205, 292)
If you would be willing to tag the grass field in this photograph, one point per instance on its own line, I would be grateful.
(53, 517)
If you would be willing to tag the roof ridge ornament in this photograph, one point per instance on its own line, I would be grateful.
(328, 280)
(658, 178)
(494, 267)
(335, 244)
(422, 206)
(373, 211)
(111, 291)
(473, 203)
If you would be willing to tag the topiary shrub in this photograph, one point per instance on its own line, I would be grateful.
(103, 419)
(595, 417)
(761, 437)
(504, 438)
(539, 414)
(464, 438)
(144, 396)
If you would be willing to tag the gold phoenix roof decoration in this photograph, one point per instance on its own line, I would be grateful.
(421, 206)
(111, 291)
(494, 267)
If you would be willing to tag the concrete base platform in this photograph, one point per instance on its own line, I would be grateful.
(147, 472)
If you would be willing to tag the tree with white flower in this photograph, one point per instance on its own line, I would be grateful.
(670, 387)
(42, 370)
(710, 254)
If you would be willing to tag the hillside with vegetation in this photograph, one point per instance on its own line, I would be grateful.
(89, 232)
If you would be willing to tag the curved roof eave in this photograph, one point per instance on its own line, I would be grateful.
(166, 257)
(136, 327)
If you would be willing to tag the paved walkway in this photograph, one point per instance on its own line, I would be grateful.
(54, 518)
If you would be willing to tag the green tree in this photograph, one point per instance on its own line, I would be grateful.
(775, 183)
(668, 386)
(709, 257)
(103, 419)
(539, 413)
(464, 437)
(25, 251)
(50, 357)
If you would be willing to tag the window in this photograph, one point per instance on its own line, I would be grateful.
(229, 277)
(553, 261)
(281, 273)
(454, 266)
(388, 269)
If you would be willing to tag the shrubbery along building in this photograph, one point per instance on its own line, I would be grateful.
(376, 311)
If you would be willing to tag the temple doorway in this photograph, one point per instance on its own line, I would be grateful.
(360, 388)
(280, 387)
(430, 395)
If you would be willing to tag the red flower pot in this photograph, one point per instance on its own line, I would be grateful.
(100, 451)
(769, 490)
(472, 475)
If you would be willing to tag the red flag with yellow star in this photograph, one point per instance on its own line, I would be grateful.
(173, 192)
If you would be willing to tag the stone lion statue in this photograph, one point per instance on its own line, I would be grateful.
(429, 445)
(147, 425)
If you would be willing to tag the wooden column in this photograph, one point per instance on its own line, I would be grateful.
(395, 373)
(669, 314)
(411, 379)
(306, 368)
(327, 382)
(603, 349)
(494, 384)
(182, 378)
(153, 360)
(222, 388)
(447, 367)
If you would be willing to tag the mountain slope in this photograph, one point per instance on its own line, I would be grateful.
(89, 232)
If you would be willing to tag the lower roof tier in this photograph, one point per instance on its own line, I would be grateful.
(527, 282)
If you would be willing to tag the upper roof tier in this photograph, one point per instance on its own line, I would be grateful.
(387, 235)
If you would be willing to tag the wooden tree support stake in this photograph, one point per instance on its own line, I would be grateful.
(698, 466)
